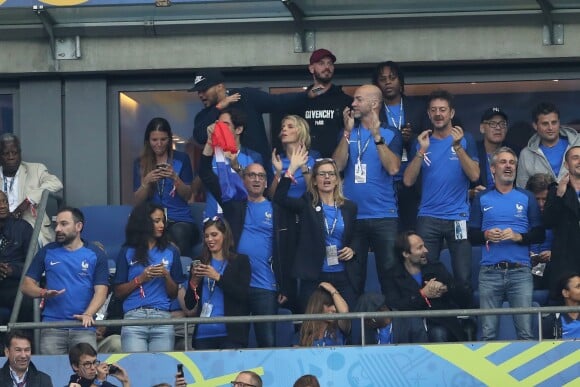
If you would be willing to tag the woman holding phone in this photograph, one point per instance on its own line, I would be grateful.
(163, 176)
(218, 286)
(148, 271)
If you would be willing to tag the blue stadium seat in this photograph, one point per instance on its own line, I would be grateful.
(372, 284)
(106, 224)
(197, 210)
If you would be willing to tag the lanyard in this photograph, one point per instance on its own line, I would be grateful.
(16, 383)
(211, 283)
(363, 150)
(390, 113)
(8, 188)
(331, 231)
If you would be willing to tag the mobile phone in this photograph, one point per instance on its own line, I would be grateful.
(161, 166)
(180, 370)
(195, 263)
(113, 369)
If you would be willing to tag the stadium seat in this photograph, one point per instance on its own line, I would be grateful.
(106, 224)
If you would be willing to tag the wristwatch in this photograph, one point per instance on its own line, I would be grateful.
(381, 141)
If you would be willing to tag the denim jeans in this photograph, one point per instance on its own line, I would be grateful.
(434, 231)
(264, 302)
(380, 234)
(147, 338)
(56, 341)
(497, 285)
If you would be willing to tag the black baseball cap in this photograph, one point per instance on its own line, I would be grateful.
(493, 111)
(206, 79)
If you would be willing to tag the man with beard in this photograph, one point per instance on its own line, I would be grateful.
(18, 370)
(15, 236)
(323, 112)
(408, 117)
(416, 284)
(562, 215)
(76, 283)
(506, 220)
(447, 160)
(23, 183)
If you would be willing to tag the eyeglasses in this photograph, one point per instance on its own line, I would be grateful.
(241, 384)
(256, 176)
(496, 124)
(87, 365)
(326, 174)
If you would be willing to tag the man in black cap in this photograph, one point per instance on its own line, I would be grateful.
(493, 127)
(210, 86)
(323, 112)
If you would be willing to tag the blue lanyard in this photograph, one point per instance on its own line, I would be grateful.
(389, 113)
(331, 231)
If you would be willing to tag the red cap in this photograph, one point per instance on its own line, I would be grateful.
(321, 53)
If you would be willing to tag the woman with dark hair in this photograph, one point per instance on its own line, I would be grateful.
(218, 286)
(322, 333)
(327, 222)
(148, 271)
(162, 175)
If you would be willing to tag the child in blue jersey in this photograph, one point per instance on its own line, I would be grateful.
(218, 286)
(294, 134)
(324, 333)
(148, 271)
(164, 176)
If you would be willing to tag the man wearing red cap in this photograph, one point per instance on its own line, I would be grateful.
(323, 112)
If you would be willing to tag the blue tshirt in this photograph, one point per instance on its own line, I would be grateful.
(517, 210)
(245, 158)
(445, 185)
(376, 198)
(333, 235)
(256, 243)
(385, 335)
(555, 154)
(154, 292)
(396, 121)
(297, 188)
(214, 295)
(330, 339)
(78, 272)
(165, 194)
(570, 328)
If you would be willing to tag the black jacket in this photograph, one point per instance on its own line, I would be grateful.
(562, 215)
(311, 250)
(35, 377)
(235, 214)
(16, 235)
(235, 283)
(402, 293)
(87, 382)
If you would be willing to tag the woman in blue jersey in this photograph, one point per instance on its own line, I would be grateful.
(162, 175)
(324, 333)
(218, 286)
(148, 271)
(327, 220)
(294, 135)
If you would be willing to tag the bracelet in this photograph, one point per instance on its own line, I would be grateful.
(307, 171)
(347, 137)
(335, 293)
(456, 147)
(291, 177)
(43, 293)
(421, 155)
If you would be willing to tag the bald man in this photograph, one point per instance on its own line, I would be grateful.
(370, 156)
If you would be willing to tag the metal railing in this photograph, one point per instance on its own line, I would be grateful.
(538, 311)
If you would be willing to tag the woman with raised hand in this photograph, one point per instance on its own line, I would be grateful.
(323, 333)
(163, 176)
(148, 271)
(219, 281)
(327, 219)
